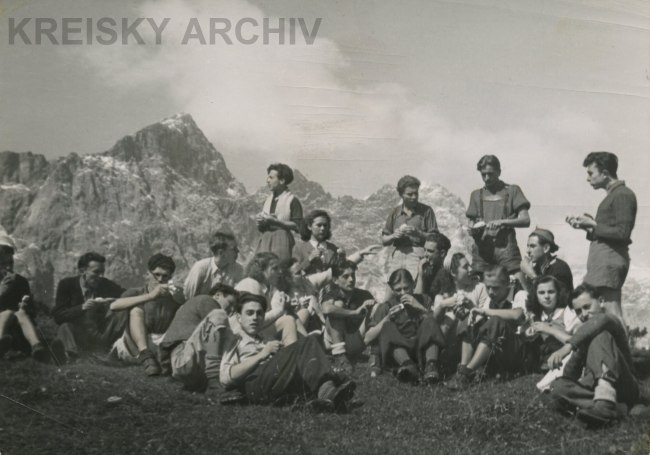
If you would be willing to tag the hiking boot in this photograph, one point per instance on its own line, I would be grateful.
(461, 380)
(5, 344)
(332, 397)
(408, 372)
(431, 373)
(341, 364)
(40, 354)
(147, 359)
(343, 395)
(216, 392)
(601, 413)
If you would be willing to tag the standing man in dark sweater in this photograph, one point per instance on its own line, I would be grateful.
(81, 309)
(610, 232)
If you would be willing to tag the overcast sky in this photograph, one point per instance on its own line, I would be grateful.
(387, 88)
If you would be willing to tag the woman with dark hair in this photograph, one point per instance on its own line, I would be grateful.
(408, 334)
(281, 214)
(315, 253)
(494, 212)
(406, 228)
(551, 321)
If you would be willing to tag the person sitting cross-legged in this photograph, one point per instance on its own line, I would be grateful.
(270, 372)
(493, 333)
(408, 333)
(81, 308)
(600, 372)
(151, 310)
(346, 310)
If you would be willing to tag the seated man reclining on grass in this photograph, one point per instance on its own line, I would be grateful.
(151, 310)
(270, 372)
(17, 328)
(492, 333)
(600, 372)
(196, 338)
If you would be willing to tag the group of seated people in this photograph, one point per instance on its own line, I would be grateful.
(295, 326)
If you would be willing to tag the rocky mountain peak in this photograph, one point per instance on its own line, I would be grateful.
(179, 143)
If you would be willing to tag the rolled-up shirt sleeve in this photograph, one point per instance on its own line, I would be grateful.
(230, 358)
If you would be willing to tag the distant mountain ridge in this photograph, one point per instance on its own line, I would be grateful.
(165, 188)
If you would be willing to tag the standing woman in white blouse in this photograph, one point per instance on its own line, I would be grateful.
(281, 214)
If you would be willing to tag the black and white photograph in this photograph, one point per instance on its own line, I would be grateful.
(324, 227)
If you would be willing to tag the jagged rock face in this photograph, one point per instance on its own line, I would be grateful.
(165, 189)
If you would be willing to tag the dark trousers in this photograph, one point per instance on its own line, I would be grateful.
(428, 333)
(601, 351)
(500, 336)
(297, 370)
(83, 336)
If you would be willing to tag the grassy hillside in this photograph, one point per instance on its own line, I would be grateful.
(156, 417)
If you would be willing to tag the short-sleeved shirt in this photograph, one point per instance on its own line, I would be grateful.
(295, 213)
(351, 300)
(406, 321)
(500, 247)
(422, 218)
(187, 319)
(158, 313)
(205, 274)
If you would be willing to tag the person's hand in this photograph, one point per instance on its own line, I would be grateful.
(494, 225)
(478, 311)
(526, 267)
(91, 304)
(408, 300)
(585, 221)
(314, 254)
(7, 282)
(24, 303)
(270, 348)
(372, 249)
(406, 229)
(366, 306)
(540, 327)
(159, 291)
(555, 359)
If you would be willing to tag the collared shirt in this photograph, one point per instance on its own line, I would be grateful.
(205, 274)
(241, 347)
(87, 292)
(566, 318)
(422, 218)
